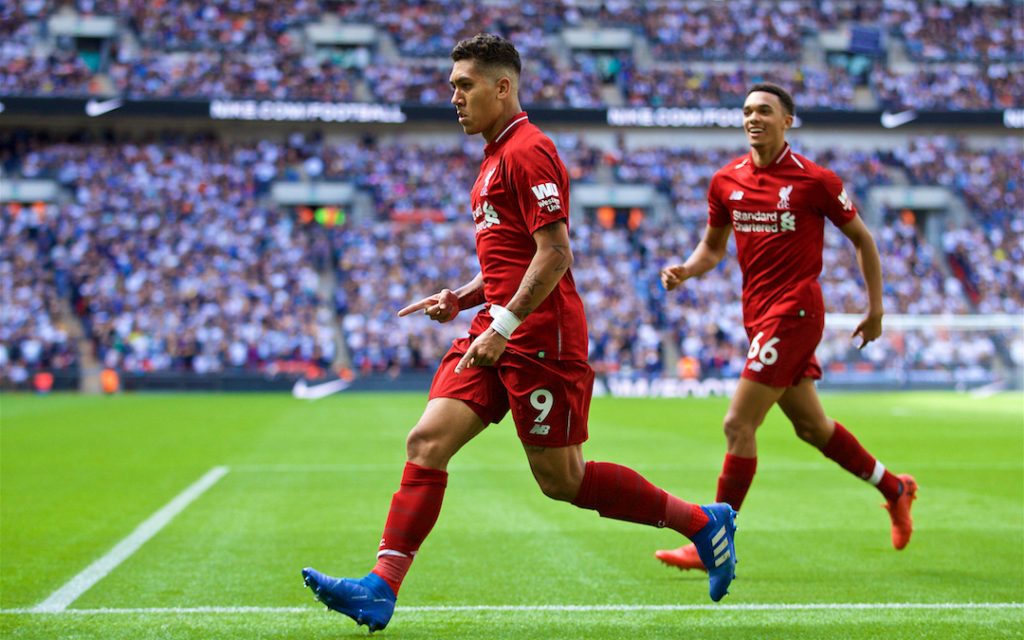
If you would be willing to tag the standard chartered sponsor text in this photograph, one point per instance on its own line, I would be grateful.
(755, 221)
(755, 216)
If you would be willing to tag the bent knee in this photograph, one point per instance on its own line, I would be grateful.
(815, 432)
(558, 489)
(422, 447)
(737, 428)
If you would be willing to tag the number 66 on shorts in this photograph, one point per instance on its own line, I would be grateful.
(781, 350)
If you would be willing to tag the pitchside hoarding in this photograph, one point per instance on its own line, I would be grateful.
(368, 112)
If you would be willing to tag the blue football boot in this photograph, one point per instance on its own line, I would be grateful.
(716, 548)
(368, 600)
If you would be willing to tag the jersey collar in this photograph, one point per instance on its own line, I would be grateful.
(774, 164)
(506, 133)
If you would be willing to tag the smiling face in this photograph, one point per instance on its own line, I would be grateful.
(765, 121)
(482, 98)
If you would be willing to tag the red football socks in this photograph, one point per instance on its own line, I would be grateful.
(414, 510)
(844, 448)
(737, 476)
(620, 493)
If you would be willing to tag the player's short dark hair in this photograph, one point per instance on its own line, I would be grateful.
(489, 51)
(776, 90)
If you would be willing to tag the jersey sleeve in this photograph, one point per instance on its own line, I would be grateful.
(835, 203)
(718, 213)
(541, 185)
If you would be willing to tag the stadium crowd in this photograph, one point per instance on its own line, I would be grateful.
(260, 49)
(210, 74)
(175, 259)
(33, 283)
(172, 263)
(155, 294)
(966, 31)
(680, 87)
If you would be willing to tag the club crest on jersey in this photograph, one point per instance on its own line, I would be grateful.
(547, 196)
(486, 216)
(487, 181)
(784, 196)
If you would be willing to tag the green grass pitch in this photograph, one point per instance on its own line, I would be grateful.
(310, 483)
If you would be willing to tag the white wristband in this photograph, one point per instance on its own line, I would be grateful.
(505, 322)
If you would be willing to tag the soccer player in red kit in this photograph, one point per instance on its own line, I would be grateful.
(526, 352)
(777, 202)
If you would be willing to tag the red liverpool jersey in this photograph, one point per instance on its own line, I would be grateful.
(778, 213)
(522, 187)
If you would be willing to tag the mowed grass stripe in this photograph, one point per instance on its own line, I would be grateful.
(313, 484)
(64, 596)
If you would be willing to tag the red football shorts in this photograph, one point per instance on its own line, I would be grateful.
(549, 399)
(781, 350)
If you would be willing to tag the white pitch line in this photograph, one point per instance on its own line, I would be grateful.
(523, 467)
(512, 608)
(61, 598)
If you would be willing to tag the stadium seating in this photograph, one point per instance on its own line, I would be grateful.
(155, 296)
(702, 55)
(121, 253)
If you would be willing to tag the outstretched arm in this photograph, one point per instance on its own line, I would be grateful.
(705, 257)
(550, 262)
(445, 305)
(870, 328)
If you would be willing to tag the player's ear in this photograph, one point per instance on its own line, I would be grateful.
(788, 121)
(504, 85)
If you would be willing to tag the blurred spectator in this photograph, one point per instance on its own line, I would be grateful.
(174, 265)
(950, 88)
(211, 74)
(680, 87)
(954, 31)
(258, 49)
(33, 281)
(174, 259)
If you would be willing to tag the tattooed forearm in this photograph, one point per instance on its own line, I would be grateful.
(472, 299)
(527, 294)
(472, 293)
(552, 261)
(565, 257)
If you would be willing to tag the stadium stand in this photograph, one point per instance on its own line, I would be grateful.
(244, 294)
(258, 49)
(170, 253)
(172, 263)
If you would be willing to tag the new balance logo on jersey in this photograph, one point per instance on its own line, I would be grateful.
(736, 195)
(540, 429)
(787, 222)
(547, 196)
(784, 197)
(845, 200)
(755, 366)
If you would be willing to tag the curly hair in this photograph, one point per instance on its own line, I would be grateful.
(488, 50)
(776, 90)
